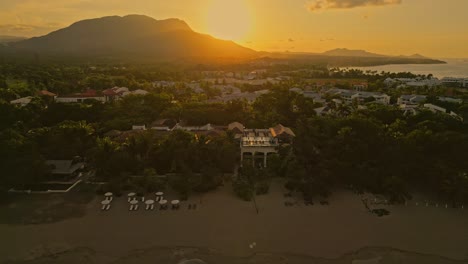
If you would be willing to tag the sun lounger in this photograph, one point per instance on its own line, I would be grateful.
(108, 207)
(131, 207)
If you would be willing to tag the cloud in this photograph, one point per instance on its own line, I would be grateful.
(316, 5)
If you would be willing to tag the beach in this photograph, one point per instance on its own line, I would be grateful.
(223, 226)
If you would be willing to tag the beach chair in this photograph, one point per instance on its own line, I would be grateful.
(131, 207)
(103, 207)
(108, 207)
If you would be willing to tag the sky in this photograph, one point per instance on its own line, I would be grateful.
(435, 28)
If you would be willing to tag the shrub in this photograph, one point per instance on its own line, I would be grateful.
(262, 188)
(243, 189)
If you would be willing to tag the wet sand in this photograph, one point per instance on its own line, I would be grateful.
(227, 226)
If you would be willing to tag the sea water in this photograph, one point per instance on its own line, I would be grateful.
(453, 68)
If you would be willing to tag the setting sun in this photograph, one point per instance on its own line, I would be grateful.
(229, 20)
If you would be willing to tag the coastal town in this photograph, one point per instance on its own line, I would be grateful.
(233, 132)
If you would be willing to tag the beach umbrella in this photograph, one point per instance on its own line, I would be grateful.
(163, 202)
(108, 194)
(132, 194)
(159, 193)
(149, 202)
(105, 202)
(133, 202)
(175, 202)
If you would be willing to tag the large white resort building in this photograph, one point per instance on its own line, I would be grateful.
(256, 145)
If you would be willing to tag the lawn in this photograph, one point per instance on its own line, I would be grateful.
(20, 209)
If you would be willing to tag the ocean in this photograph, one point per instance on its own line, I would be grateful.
(454, 68)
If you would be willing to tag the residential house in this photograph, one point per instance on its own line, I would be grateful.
(450, 100)
(437, 109)
(46, 93)
(22, 101)
(412, 99)
(163, 124)
(89, 94)
(65, 169)
(138, 127)
(296, 90)
(236, 128)
(316, 97)
(451, 81)
(323, 111)
(114, 93)
(282, 133)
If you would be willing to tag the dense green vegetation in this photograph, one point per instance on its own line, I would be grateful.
(382, 151)
(377, 149)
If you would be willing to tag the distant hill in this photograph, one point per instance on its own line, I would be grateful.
(351, 53)
(346, 58)
(350, 58)
(414, 56)
(10, 39)
(131, 36)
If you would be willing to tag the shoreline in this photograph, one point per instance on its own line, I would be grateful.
(179, 254)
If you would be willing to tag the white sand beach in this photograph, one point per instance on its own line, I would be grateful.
(228, 226)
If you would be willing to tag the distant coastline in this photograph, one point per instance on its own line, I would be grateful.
(452, 68)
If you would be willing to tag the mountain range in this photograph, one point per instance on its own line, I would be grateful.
(362, 53)
(132, 35)
(143, 37)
